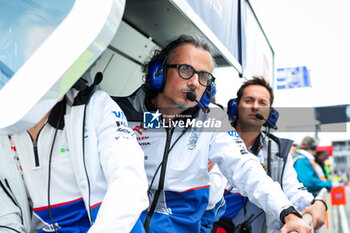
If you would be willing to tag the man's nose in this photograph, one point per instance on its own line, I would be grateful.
(255, 105)
(194, 81)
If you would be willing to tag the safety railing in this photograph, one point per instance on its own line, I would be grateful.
(307, 218)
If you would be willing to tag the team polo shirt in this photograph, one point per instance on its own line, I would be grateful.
(67, 206)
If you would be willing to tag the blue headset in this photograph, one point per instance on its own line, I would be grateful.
(208, 95)
(232, 111)
(156, 75)
(156, 79)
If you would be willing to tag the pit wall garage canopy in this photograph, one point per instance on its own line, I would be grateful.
(45, 46)
(226, 24)
(234, 29)
(74, 33)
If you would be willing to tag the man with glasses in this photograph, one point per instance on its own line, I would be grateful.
(168, 115)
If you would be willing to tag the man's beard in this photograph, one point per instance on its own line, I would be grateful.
(180, 106)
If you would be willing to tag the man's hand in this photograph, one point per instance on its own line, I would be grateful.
(294, 223)
(210, 165)
(318, 213)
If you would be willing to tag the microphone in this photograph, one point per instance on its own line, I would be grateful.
(260, 117)
(193, 97)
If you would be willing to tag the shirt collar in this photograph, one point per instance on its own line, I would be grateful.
(307, 154)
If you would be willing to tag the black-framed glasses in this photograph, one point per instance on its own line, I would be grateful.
(186, 72)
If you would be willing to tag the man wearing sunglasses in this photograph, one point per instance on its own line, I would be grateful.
(183, 196)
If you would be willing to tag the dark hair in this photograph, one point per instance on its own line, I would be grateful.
(260, 81)
(168, 51)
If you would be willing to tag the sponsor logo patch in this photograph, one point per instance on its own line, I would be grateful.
(144, 143)
(119, 114)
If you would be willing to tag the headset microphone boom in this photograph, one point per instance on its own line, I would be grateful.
(260, 117)
(193, 97)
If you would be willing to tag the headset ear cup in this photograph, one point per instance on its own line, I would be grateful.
(155, 78)
(208, 95)
(272, 118)
(232, 109)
